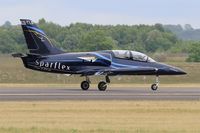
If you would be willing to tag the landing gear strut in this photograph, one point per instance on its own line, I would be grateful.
(85, 85)
(103, 85)
(154, 86)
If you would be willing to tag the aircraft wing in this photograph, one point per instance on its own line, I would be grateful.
(131, 71)
(120, 71)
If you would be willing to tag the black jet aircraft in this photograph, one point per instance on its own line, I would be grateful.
(44, 56)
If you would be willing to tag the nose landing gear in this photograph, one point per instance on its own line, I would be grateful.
(154, 86)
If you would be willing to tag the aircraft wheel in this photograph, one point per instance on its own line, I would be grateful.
(154, 87)
(85, 85)
(102, 86)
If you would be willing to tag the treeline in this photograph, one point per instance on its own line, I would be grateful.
(186, 32)
(87, 37)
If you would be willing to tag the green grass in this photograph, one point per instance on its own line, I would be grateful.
(13, 71)
(100, 117)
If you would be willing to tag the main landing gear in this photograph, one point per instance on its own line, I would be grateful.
(154, 86)
(102, 86)
(85, 85)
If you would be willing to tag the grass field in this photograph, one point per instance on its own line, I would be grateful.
(100, 117)
(13, 71)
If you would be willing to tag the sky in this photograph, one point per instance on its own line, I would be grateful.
(103, 12)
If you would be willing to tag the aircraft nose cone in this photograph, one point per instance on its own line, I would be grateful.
(169, 70)
(177, 71)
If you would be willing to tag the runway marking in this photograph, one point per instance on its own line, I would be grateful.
(123, 94)
(107, 94)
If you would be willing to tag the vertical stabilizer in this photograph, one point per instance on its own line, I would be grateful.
(37, 41)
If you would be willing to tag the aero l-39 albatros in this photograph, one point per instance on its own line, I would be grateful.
(44, 56)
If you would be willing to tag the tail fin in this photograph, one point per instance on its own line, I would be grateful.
(37, 41)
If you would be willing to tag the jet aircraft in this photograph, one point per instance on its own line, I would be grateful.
(44, 56)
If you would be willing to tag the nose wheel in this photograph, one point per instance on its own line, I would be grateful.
(154, 87)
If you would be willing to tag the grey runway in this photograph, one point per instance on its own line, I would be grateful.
(44, 94)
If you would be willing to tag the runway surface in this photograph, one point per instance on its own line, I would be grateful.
(44, 94)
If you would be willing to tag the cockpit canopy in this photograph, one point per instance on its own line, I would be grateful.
(132, 55)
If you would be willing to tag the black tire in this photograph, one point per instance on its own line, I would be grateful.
(154, 87)
(85, 85)
(102, 86)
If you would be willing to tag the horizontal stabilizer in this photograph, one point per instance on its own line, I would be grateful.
(18, 55)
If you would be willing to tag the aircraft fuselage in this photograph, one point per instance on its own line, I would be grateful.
(78, 63)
